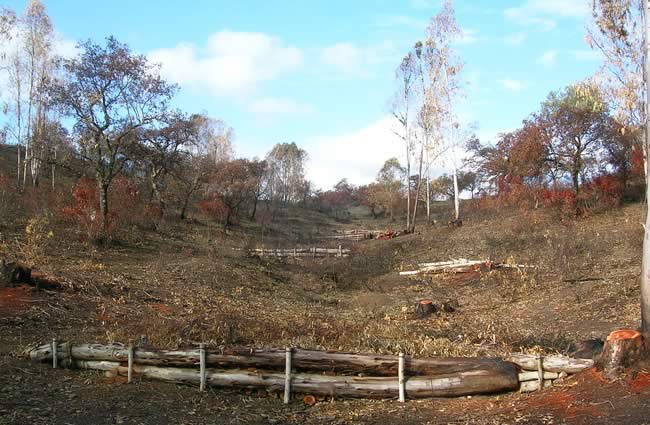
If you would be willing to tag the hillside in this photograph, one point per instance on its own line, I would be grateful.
(193, 283)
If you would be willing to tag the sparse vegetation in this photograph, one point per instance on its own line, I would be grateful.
(140, 218)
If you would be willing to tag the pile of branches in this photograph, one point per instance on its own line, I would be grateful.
(461, 265)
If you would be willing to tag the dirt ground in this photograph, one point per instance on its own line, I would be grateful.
(190, 283)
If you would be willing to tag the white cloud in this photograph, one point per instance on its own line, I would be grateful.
(346, 57)
(356, 155)
(548, 58)
(278, 105)
(516, 39)
(350, 59)
(512, 85)
(230, 62)
(544, 13)
(64, 46)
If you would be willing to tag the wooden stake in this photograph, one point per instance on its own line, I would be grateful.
(540, 371)
(202, 366)
(402, 382)
(314, 252)
(55, 357)
(340, 251)
(129, 376)
(287, 376)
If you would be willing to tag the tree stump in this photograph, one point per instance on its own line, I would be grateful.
(424, 308)
(13, 273)
(622, 349)
(309, 400)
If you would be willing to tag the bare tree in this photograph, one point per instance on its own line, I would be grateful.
(286, 172)
(31, 62)
(405, 76)
(112, 95)
(161, 150)
(218, 138)
(437, 69)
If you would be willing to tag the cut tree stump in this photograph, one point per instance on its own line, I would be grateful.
(424, 308)
(622, 349)
(309, 400)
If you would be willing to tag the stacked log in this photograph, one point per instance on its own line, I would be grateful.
(326, 373)
(541, 372)
(357, 375)
(355, 235)
(460, 265)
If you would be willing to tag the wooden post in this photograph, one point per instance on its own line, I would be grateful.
(129, 375)
(400, 375)
(313, 252)
(55, 356)
(287, 376)
(340, 251)
(202, 366)
(294, 253)
(540, 371)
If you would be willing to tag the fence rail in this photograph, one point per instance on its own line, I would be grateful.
(315, 372)
(313, 252)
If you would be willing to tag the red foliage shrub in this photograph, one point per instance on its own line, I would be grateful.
(214, 207)
(562, 200)
(637, 163)
(84, 209)
(125, 208)
(603, 192)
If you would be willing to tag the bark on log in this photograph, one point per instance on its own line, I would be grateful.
(330, 361)
(534, 376)
(551, 364)
(530, 386)
(473, 382)
(622, 349)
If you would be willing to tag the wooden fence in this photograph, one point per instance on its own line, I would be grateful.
(313, 252)
(314, 372)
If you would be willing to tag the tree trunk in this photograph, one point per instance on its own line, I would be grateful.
(18, 170)
(103, 206)
(575, 179)
(245, 357)
(417, 191)
(408, 188)
(645, 267)
(622, 349)
(456, 195)
(255, 201)
(457, 384)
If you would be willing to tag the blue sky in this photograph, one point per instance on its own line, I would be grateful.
(321, 73)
